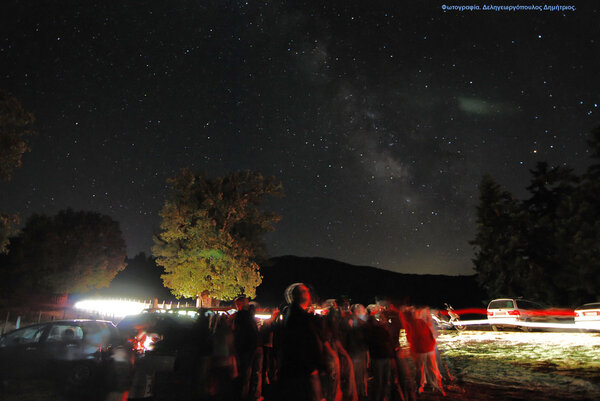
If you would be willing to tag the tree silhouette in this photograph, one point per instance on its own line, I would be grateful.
(14, 127)
(544, 247)
(66, 253)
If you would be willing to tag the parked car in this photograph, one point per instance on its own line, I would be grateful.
(588, 316)
(80, 354)
(509, 312)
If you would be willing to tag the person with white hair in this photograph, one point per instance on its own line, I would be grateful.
(301, 349)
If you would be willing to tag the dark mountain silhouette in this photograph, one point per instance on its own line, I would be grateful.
(363, 284)
(328, 278)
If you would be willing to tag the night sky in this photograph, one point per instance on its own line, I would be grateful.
(378, 117)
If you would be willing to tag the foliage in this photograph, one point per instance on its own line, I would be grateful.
(14, 127)
(210, 239)
(8, 223)
(68, 252)
(545, 247)
(500, 255)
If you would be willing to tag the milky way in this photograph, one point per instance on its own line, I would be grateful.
(379, 118)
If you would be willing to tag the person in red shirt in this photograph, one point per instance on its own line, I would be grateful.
(421, 340)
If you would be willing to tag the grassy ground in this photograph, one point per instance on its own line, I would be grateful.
(516, 365)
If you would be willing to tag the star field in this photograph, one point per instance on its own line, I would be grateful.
(379, 118)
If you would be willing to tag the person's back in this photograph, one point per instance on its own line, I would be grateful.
(379, 340)
(422, 339)
(300, 350)
(245, 332)
(381, 351)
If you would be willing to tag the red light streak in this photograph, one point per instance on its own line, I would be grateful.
(538, 312)
(467, 311)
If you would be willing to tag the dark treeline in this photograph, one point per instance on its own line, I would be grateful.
(70, 252)
(545, 247)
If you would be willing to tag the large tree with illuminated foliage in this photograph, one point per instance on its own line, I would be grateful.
(15, 126)
(210, 239)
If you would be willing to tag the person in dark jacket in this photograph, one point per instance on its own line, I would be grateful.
(300, 350)
(358, 348)
(245, 341)
(382, 354)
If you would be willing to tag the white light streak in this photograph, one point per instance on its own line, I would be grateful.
(539, 325)
(112, 307)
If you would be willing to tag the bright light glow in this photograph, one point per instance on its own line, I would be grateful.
(112, 307)
(262, 316)
(145, 341)
(540, 325)
(589, 325)
(556, 339)
(472, 322)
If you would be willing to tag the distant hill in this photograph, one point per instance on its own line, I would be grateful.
(328, 278)
(331, 279)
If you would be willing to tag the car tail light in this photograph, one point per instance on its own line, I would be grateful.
(592, 313)
(490, 313)
(577, 314)
(514, 313)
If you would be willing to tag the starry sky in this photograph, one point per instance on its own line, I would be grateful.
(379, 117)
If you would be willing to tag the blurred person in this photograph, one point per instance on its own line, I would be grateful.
(202, 367)
(331, 375)
(443, 363)
(422, 345)
(381, 351)
(356, 345)
(224, 363)
(403, 386)
(245, 335)
(301, 349)
(267, 334)
(337, 321)
(257, 364)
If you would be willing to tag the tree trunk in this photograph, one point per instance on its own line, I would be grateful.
(204, 300)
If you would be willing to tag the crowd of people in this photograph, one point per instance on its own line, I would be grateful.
(339, 352)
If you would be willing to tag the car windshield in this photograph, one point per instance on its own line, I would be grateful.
(65, 332)
(502, 304)
(100, 333)
(590, 306)
(26, 335)
(528, 305)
